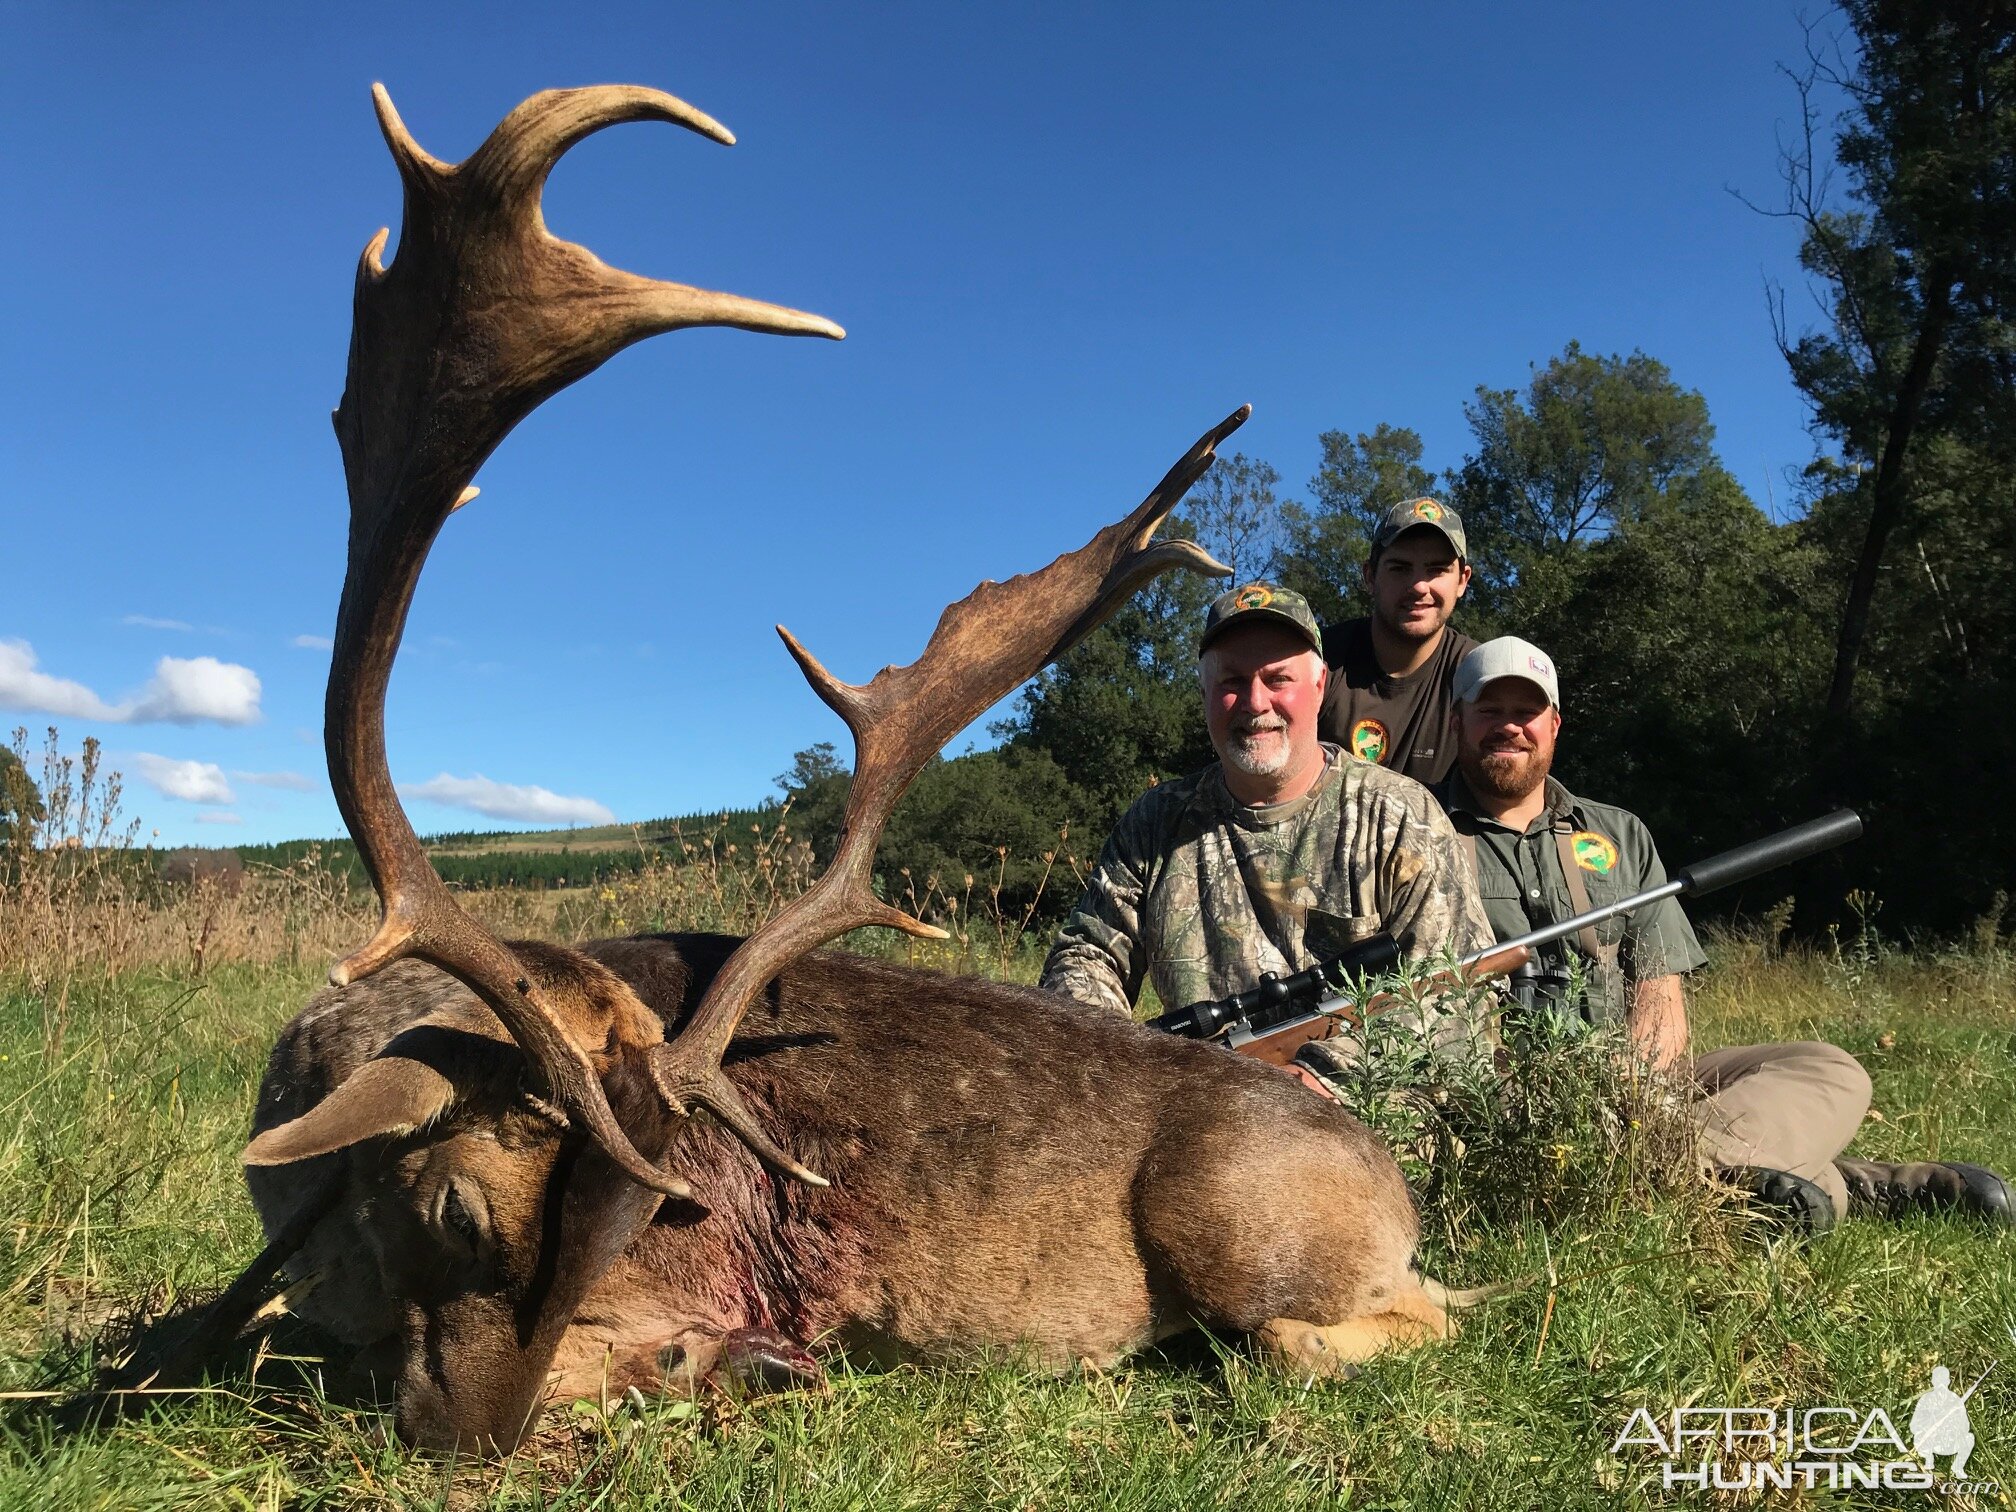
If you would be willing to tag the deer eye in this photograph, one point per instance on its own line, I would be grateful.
(462, 1216)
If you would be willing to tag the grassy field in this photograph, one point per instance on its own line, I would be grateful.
(119, 1192)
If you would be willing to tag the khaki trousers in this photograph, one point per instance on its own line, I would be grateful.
(1791, 1107)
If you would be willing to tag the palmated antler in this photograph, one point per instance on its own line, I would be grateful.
(481, 316)
(985, 646)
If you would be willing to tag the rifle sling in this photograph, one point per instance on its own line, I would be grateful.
(1578, 894)
(1578, 890)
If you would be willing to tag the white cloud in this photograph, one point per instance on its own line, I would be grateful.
(504, 800)
(313, 643)
(197, 689)
(32, 692)
(218, 817)
(149, 622)
(183, 690)
(293, 782)
(191, 781)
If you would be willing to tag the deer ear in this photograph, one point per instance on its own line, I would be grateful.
(389, 1095)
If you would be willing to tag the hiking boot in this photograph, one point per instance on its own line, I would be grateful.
(1927, 1186)
(1792, 1202)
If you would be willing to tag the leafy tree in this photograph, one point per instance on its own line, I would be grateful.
(20, 799)
(1911, 380)
(1002, 817)
(1234, 511)
(1120, 711)
(1690, 647)
(1005, 818)
(812, 766)
(1593, 443)
(1326, 542)
(816, 788)
(1915, 272)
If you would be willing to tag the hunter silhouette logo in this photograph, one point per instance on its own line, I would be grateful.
(1255, 597)
(1939, 1421)
(1593, 852)
(1368, 740)
(1427, 509)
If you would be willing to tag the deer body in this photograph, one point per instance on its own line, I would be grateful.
(485, 1155)
(1008, 1170)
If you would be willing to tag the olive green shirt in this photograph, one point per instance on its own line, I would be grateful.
(1523, 887)
(1200, 894)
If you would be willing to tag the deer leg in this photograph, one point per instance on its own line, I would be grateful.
(741, 1361)
(755, 1361)
(1331, 1349)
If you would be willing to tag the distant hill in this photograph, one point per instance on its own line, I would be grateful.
(517, 858)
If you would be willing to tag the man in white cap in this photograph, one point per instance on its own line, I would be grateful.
(1773, 1118)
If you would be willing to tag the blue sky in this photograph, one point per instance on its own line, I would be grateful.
(1063, 239)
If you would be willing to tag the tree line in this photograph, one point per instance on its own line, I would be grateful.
(1723, 672)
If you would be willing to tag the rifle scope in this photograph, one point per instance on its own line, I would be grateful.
(1271, 999)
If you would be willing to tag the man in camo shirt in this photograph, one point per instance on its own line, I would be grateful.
(1282, 853)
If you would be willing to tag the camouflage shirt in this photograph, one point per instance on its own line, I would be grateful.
(1200, 895)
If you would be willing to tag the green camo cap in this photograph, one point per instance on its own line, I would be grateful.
(1261, 601)
(1409, 514)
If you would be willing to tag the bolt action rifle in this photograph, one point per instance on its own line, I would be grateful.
(1273, 1020)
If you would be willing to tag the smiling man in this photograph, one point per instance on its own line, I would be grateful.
(1388, 698)
(1283, 852)
(1771, 1118)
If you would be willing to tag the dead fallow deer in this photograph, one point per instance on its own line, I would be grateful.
(481, 1162)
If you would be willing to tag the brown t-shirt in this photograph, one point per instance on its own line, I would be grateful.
(1399, 722)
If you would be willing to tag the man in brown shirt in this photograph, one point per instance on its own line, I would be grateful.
(1388, 700)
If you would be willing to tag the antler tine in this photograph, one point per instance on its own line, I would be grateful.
(481, 316)
(986, 645)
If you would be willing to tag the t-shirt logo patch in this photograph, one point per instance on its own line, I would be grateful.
(1368, 740)
(1427, 509)
(1255, 597)
(1593, 852)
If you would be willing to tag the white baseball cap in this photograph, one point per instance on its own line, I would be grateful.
(1507, 656)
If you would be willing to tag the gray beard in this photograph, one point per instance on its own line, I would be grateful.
(1252, 762)
(1489, 780)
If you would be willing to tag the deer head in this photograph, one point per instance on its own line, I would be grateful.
(517, 1169)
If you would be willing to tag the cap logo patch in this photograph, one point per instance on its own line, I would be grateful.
(1368, 740)
(1257, 596)
(1427, 509)
(1539, 665)
(1593, 852)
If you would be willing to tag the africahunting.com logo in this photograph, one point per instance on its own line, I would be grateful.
(1814, 1448)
